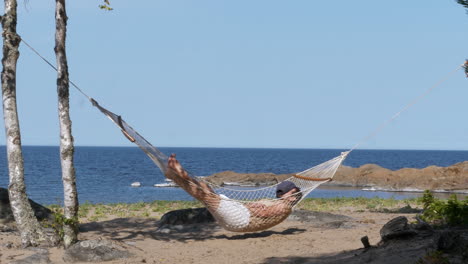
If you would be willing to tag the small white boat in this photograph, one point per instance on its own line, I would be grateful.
(231, 183)
(166, 184)
(136, 184)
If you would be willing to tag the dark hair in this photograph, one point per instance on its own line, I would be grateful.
(285, 187)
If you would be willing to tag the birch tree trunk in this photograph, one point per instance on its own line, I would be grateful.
(32, 234)
(70, 227)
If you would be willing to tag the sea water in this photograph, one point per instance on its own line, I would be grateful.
(105, 174)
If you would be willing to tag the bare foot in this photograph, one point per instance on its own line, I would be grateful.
(174, 164)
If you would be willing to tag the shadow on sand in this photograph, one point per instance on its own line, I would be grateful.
(418, 248)
(348, 257)
(137, 228)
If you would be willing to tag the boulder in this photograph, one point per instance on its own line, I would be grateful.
(6, 215)
(186, 217)
(446, 240)
(94, 251)
(396, 228)
(40, 257)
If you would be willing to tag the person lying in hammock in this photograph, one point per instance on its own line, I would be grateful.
(232, 214)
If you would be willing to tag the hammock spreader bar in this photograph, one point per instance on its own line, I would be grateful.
(312, 179)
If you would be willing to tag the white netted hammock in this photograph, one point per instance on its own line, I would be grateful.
(238, 200)
(306, 180)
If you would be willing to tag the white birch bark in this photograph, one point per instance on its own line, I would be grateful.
(70, 227)
(32, 234)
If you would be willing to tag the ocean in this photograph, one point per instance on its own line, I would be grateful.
(104, 174)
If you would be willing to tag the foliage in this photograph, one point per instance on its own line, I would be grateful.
(59, 221)
(463, 3)
(451, 212)
(433, 257)
(355, 204)
(96, 212)
(106, 6)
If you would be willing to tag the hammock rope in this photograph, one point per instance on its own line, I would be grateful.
(242, 210)
(410, 104)
(237, 201)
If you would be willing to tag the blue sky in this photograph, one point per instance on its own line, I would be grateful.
(269, 74)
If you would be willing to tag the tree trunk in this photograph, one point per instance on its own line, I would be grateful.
(32, 234)
(66, 139)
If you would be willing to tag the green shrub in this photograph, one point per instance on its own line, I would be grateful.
(59, 221)
(433, 257)
(451, 212)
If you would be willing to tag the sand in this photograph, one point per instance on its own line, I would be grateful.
(292, 241)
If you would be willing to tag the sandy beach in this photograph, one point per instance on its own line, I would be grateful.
(293, 241)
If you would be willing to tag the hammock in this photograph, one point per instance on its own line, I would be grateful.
(230, 205)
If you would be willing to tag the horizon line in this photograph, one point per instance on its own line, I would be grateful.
(227, 147)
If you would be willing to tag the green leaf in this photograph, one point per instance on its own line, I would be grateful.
(106, 6)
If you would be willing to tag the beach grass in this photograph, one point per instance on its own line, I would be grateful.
(155, 209)
(358, 204)
(89, 212)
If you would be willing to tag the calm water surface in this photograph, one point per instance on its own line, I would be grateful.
(104, 174)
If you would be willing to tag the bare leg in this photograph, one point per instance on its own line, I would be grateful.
(199, 190)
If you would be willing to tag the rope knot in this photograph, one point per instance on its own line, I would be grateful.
(93, 102)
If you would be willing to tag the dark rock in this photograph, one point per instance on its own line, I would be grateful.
(94, 251)
(186, 217)
(41, 257)
(396, 228)
(6, 215)
(365, 241)
(403, 210)
(447, 240)
(408, 210)
(34, 259)
(422, 225)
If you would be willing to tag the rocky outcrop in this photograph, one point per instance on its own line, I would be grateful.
(451, 178)
(401, 242)
(186, 217)
(246, 179)
(397, 235)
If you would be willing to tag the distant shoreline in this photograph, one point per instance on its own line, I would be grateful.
(371, 177)
(331, 185)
